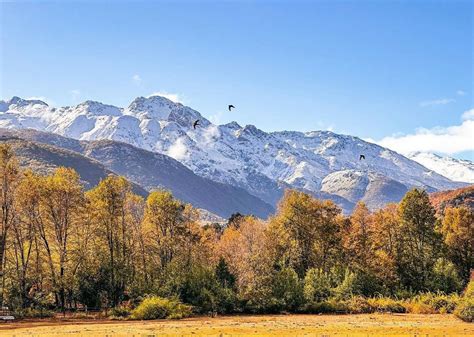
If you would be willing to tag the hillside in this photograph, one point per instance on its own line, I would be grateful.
(453, 198)
(147, 169)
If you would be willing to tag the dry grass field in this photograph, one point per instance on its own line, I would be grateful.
(269, 325)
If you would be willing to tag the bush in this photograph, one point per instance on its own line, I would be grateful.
(347, 287)
(439, 303)
(120, 311)
(317, 286)
(358, 305)
(287, 290)
(158, 308)
(414, 307)
(465, 309)
(386, 304)
(34, 313)
(445, 277)
(208, 292)
(330, 306)
(469, 291)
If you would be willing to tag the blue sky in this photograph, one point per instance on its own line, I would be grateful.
(376, 69)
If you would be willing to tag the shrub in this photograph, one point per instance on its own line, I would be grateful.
(203, 289)
(158, 308)
(465, 309)
(120, 311)
(34, 313)
(445, 277)
(317, 286)
(469, 291)
(287, 290)
(358, 305)
(439, 303)
(330, 306)
(386, 304)
(413, 307)
(347, 287)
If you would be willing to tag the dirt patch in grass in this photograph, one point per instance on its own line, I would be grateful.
(269, 325)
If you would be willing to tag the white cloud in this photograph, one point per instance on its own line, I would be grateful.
(216, 118)
(210, 134)
(75, 93)
(48, 101)
(460, 93)
(177, 98)
(468, 115)
(178, 149)
(442, 101)
(447, 140)
(137, 79)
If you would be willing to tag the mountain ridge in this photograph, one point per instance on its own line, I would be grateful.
(262, 163)
(150, 171)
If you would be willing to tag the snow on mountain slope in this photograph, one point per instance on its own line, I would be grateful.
(262, 163)
(454, 169)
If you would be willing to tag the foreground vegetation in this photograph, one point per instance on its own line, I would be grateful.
(107, 248)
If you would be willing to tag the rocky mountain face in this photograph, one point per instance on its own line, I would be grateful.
(44, 159)
(263, 164)
(94, 160)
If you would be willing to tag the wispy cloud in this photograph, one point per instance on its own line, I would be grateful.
(460, 93)
(216, 118)
(136, 79)
(441, 101)
(48, 101)
(448, 140)
(211, 134)
(177, 98)
(178, 149)
(75, 94)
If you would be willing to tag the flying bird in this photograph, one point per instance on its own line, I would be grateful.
(231, 107)
(196, 123)
(361, 157)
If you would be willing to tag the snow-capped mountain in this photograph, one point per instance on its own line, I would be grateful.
(260, 162)
(454, 169)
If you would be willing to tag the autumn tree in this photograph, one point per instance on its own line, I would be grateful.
(25, 247)
(306, 232)
(62, 204)
(246, 251)
(108, 201)
(358, 237)
(9, 177)
(458, 234)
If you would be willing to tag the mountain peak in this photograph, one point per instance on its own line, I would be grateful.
(23, 102)
(232, 125)
(245, 157)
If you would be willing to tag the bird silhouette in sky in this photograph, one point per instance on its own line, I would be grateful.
(361, 157)
(231, 107)
(196, 123)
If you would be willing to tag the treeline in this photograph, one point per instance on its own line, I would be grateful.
(62, 247)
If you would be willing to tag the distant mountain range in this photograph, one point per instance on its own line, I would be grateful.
(221, 168)
(454, 169)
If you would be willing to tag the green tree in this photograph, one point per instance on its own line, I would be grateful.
(306, 232)
(418, 238)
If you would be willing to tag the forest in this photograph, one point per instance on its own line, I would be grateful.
(63, 248)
